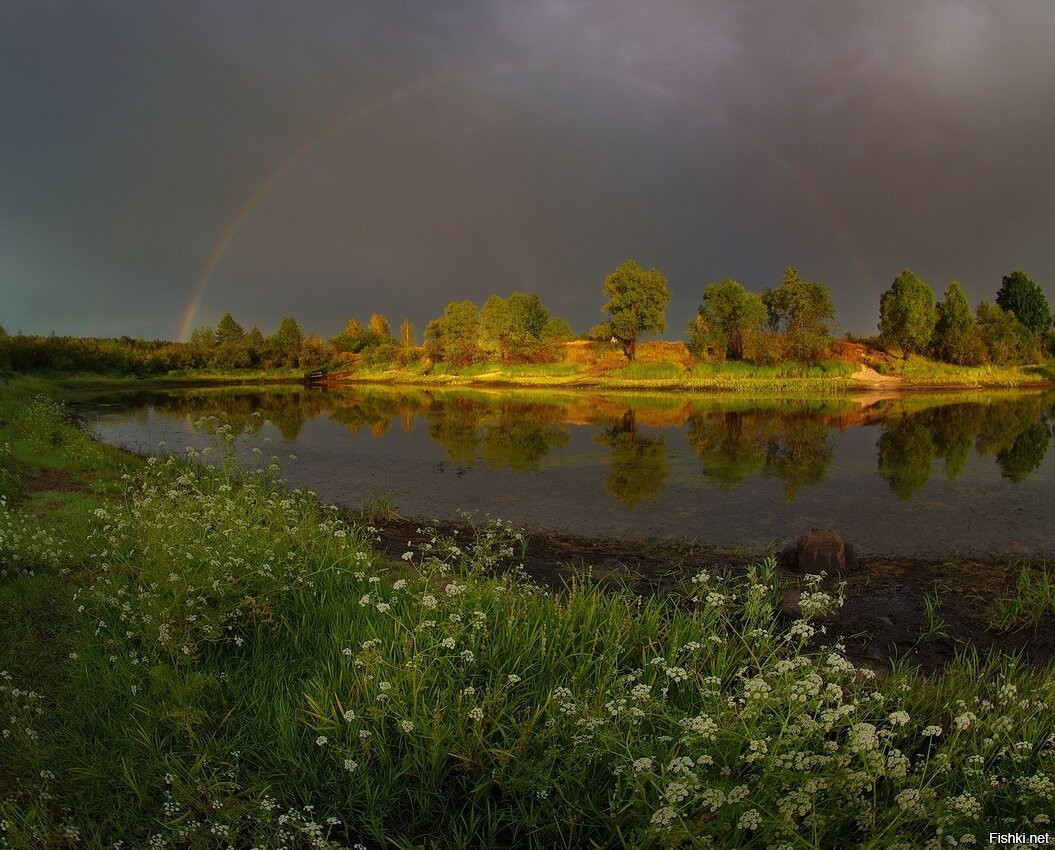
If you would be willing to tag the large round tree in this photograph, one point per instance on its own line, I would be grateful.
(906, 313)
(637, 300)
(1021, 296)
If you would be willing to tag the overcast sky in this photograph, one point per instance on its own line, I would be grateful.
(164, 162)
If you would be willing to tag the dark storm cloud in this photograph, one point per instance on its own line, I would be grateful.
(407, 154)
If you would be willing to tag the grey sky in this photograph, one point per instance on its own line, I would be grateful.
(330, 159)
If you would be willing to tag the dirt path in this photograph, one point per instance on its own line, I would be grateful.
(869, 378)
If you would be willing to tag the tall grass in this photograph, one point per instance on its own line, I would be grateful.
(238, 667)
(1031, 601)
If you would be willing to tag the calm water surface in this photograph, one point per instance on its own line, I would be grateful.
(935, 476)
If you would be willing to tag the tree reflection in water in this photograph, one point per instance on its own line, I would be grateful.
(732, 439)
(795, 446)
(1016, 431)
(639, 463)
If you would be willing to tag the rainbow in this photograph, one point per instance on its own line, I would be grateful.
(305, 149)
(425, 83)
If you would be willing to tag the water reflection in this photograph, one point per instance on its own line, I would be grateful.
(1016, 431)
(638, 463)
(793, 446)
(733, 441)
(918, 476)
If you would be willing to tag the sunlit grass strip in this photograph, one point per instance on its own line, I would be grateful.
(248, 672)
(923, 371)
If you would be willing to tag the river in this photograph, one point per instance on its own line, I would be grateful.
(922, 476)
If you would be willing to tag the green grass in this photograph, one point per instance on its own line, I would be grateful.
(924, 371)
(1030, 603)
(207, 659)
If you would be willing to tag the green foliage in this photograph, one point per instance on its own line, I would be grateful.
(22, 353)
(728, 321)
(229, 331)
(228, 663)
(906, 313)
(379, 325)
(1030, 602)
(956, 337)
(557, 330)
(1007, 340)
(513, 327)
(202, 339)
(454, 337)
(288, 337)
(802, 311)
(1018, 294)
(637, 301)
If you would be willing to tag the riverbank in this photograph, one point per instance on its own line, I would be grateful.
(836, 378)
(853, 369)
(923, 612)
(193, 653)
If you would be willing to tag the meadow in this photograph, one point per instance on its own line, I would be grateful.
(193, 655)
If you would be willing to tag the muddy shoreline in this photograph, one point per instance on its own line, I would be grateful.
(922, 613)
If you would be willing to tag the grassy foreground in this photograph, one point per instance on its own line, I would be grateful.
(195, 657)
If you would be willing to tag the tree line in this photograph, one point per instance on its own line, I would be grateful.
(790, 322)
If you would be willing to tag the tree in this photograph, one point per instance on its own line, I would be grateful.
(557, 330)
(906, 313)
(454, 337)
(802, 310)
(513, 326)
(406, 333)
(287, 341)
(728, 318)
(379, 325)
(202, 339)
(636, 303)
(1021, 296)
(1007, 340)
(228, 330)
(956, 338)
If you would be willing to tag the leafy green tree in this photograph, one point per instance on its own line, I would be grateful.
(513, 326)
(906, 313)
(1021, 296)
(956, 338)
(228, 330)
(557, 330)
(287, 341)
(803, 311)
(203, 338)
(454, 337)
(728, 319)
(379, 325)
(351, 336)
(254, 339)
(637, 301)
(1007, 340)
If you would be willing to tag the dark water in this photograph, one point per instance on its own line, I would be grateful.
(937, 476)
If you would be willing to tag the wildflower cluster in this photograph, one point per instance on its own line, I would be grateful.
(27, 546)
(196, 555)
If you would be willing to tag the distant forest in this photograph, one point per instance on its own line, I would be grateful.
(791, 322)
